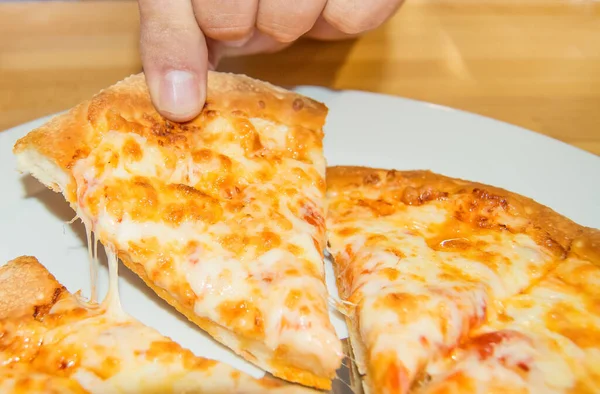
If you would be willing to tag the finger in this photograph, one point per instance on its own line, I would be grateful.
(322, 30)
(226, 20)
(258, 43)
(286, 20)
(175, 58)
(359, 16)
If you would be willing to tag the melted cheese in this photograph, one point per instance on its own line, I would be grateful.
(547, 340)
(424, 277)
(232, 226)
(91, 348)
(112, 302)
(92, 245)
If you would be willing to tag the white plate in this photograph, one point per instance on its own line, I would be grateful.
(362, 129)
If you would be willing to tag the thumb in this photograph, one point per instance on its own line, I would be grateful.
(174, 57)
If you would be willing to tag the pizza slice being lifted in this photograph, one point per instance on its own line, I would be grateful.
(54, 342)
(427, 264)
(222, 216)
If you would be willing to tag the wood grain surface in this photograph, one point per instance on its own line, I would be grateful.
(533, 63)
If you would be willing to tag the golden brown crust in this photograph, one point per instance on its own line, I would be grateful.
(127, 104)
(27, 288)
(419, 186)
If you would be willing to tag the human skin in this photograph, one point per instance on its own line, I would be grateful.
(181, 40)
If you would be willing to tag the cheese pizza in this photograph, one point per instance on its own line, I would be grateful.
(452, 286)
(544, 340)
(53, 341)
(222, 216)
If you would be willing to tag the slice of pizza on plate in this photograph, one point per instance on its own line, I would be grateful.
(55, 342)
(222, 216)
(547, 339)
(425, 263)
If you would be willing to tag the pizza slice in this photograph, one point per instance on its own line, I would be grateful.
(55, 342)
(546, 340)
(222, 216)
(423, 260)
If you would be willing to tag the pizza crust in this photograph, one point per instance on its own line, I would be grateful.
(27, 288)
(559, 228)
(66, 137)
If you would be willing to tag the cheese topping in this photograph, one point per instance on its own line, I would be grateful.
(92, 246)
(230, 225)
(88, 348)
(112, 302)
(546, 340)
(425, 270)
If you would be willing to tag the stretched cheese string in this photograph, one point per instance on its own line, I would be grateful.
(340, 305)
(94, 269)
(93, 260)
(112, 301)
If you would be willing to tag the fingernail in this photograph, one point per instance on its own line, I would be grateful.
(180, 93)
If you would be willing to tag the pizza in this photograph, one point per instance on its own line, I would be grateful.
(452, 286)
(222, 216)
(448, 286)
(56, 342)
(546, 340)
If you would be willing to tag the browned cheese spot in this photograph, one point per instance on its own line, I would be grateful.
(243, 317)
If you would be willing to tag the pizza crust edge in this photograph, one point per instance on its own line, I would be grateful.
(65, 137)
(27, 288)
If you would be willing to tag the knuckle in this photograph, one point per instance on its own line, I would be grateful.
(225, 20)
(354, 17)
(352, 24)
(282, 32)
(227, 32)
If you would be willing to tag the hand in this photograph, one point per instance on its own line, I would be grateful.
(182, 39)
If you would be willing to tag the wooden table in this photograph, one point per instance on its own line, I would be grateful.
(533, 63)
